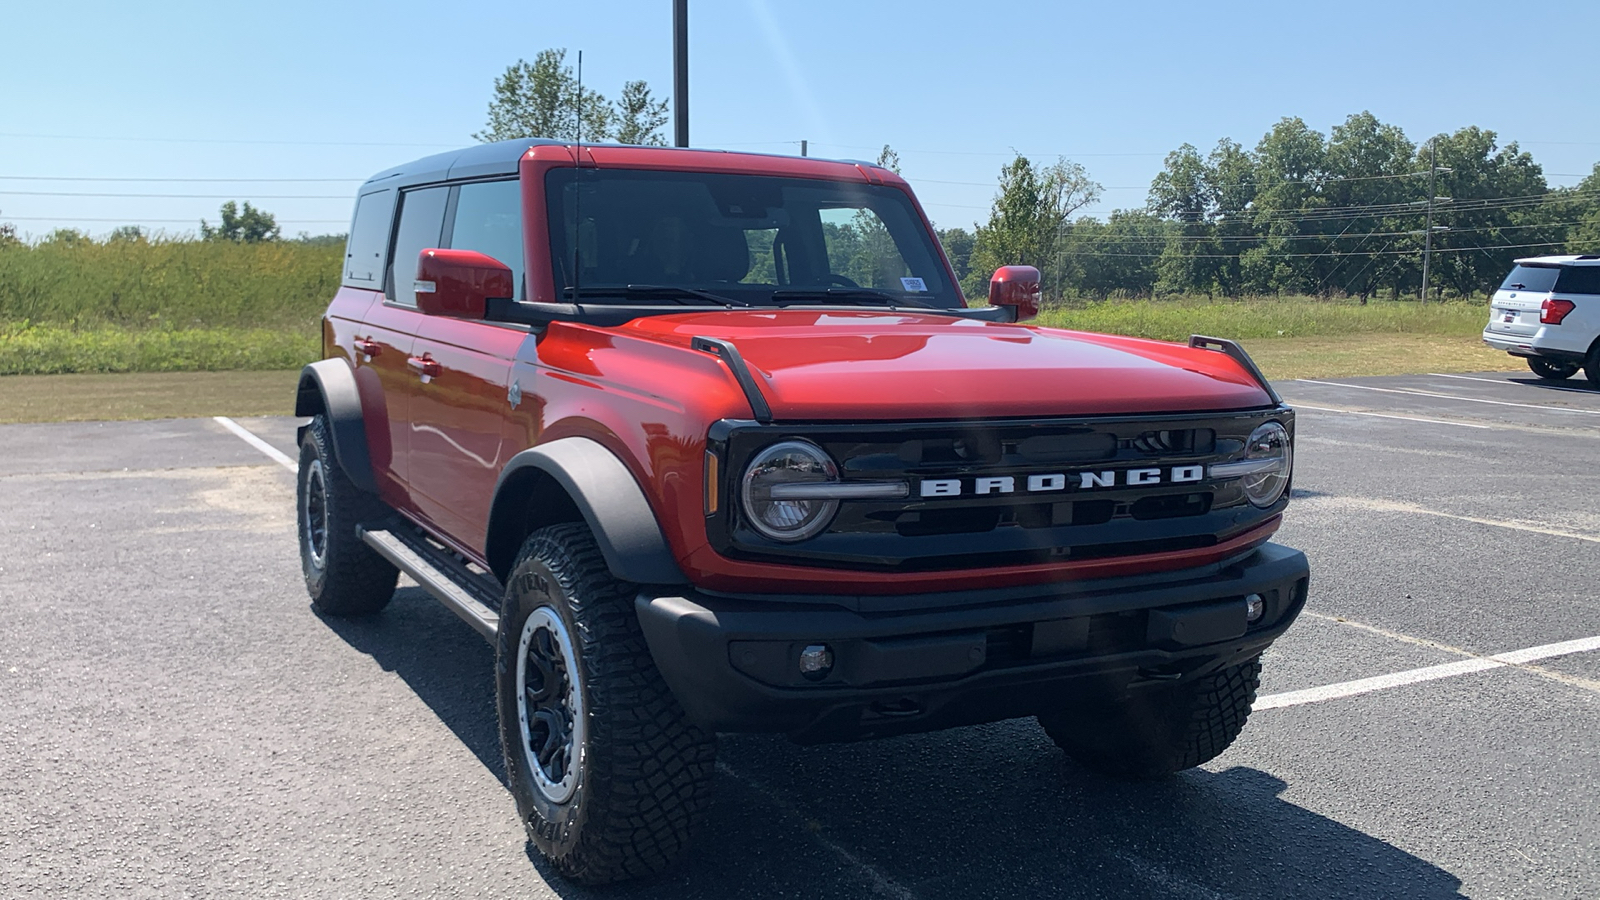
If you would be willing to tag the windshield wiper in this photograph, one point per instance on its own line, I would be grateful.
(669, 291)
(801, 294)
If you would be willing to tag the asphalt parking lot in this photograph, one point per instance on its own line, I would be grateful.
(177, 722)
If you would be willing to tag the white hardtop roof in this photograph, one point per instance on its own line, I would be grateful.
(1559, 261)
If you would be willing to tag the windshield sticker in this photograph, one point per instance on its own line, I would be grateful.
(913, 284)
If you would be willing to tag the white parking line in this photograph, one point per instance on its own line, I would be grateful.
(273, 453)
(1427, 673)
(1545, 387)
(1377, 505)
(1365, 387)
(1357, 412)
(881, 884)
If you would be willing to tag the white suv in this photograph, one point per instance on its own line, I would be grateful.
(1548, 311)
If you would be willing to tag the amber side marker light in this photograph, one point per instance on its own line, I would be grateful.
(713, 478)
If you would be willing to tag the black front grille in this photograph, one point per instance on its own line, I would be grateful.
(1066, 489)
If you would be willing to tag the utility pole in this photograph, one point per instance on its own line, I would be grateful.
(1427, 234)
(680, 72)
(802, 148)
(1427, 229)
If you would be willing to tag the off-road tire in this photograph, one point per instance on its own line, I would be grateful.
(1554, 371)
(1156, 735)
(350, 579)
(644, 772)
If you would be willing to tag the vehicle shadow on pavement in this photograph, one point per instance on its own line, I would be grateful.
(993, 810)
(998, 811)
(447, 664)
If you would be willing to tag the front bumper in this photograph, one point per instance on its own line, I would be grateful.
(734, 662)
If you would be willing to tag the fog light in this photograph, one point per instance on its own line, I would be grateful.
(816, 661)
(1254, 606)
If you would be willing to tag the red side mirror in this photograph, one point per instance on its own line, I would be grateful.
(459, 283)
(1016, 287)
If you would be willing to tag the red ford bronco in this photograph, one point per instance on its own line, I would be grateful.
(708, 442)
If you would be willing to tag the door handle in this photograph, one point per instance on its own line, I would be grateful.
(368, 347)
(427, 366)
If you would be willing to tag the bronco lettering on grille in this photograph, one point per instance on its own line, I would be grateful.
(1058, 481)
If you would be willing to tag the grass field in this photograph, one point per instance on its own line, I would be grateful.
(63, 398)
(59, 349)
(161, 395)
(1269, 317)
(163, 305)
(102, 330)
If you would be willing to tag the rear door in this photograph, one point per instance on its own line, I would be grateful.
(1514, 311)
(388, 380)
(458, 414)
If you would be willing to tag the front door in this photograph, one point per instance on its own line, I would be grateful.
(389, 331)
(458, 415)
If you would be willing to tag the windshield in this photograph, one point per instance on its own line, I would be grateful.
(743, 237)
(1537, 279)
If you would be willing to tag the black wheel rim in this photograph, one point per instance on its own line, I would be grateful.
(549, 705)
(316, 517)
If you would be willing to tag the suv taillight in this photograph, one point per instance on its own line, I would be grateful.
(1552, 311)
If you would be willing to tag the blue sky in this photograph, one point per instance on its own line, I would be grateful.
(301, 90)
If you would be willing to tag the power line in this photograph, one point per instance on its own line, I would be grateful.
(179, 180)
(1257, 238)
(174, 140)
(126, 220)
(238, 196)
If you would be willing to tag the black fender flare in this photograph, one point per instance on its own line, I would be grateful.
(328, 388)
(611, 502)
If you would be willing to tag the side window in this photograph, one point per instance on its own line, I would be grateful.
(489, 220)
(369, 231)
(1579, 280)
(421, 226)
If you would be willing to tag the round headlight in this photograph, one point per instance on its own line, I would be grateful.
(1269, 444)
(792, 518)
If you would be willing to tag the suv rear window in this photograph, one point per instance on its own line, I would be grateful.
(1537, 279)
(369, 236)
(1579, 280)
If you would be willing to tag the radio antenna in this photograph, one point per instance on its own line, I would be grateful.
(577, 189)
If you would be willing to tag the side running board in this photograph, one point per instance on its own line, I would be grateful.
(464, 592)
(1237, 354)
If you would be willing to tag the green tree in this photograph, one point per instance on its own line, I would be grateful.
(640, 116)
(1497, 198)
(1028, 220)
(540, 100)
(1183, 193)
(1231, 177)
(321, 240)
(1291, 166)
(1584, 209)
(1373, 179)
(8, 235)
(247, 226)
(958, 248)
(889, 159)
(67, 237)
(1115, 257)
(127, 234)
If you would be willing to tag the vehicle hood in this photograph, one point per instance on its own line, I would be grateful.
(815, 365)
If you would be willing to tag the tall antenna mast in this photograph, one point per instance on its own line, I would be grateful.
(577, 188)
